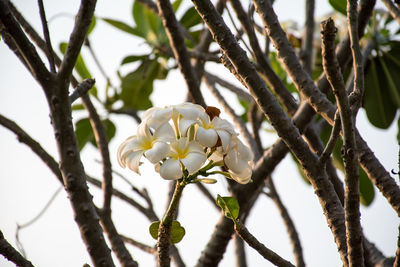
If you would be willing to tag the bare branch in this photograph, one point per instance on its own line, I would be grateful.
(330, 145)
(393, 10)
(290, 227)
(11, 254)
(306, 55)
(81, 89)
(268, 254)
(177, 43)
(144, 247)
(25, 47)
(81, 27)
(397, 258)
(50, 52)
(240, 252)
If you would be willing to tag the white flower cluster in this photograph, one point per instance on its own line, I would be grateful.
(179, 140)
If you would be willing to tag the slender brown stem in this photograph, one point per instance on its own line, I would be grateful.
(393, 10)
(330, 145)
(50, 52)
(307, 49)
(268, 254)
(11, 254)
(397, 258)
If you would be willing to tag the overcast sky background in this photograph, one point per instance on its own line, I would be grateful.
(54, 240)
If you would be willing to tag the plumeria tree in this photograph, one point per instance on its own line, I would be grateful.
(302, 85)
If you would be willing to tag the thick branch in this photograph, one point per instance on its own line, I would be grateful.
(307, 49)
(177, 42)
(352, 193)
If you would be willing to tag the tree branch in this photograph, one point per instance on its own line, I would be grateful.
(50, 52)
(352, 193)
(11, 254)
(268, 254)
(290, 227)
(393, 10)
(177, 43)
(306, 54)
(81, 27)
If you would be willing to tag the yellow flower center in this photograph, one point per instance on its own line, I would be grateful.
(147, 144)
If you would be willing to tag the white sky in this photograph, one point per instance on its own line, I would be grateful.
(26, 184)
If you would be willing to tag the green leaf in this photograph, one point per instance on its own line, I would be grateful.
(123, 27)
(390, 76)
(339, 5)
(77, 107)
(177, 231)
(83, 132)
(190, 18)
(377, 100)
(133, 58)
(367, 192)
(153, 229)
(92, 25)
(137, 86)
(230, 206)
(140, 19)
(176, 4)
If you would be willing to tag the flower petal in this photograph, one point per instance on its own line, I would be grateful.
(171, 169)
(244, 152)
(225, 139)
(165, 133)
(194, 161)
(193, 146)
(128, 144)
(189, 111)
(234, 163)
(207, 137)
(132, 160)
(222, 124)
(157, 152)
(244, 177)
(184, 125)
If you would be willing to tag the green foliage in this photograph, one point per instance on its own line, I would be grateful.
(190, 18)
(84, 132)
(339, 6)
(177, 231)
(229, 206)
(382, 87)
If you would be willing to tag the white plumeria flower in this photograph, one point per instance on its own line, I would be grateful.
(183, 153)
(239, 161)
(184, 115)
(154, 146)
(209, 131)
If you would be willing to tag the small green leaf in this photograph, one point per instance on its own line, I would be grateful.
(190, 18)
(230, 206)
(123, 27)
(377, 100)
(367, 192)
(390, 76)
(76, 107)
(339, 5)
(138, 14)
(177, 232)
(133, 58)
(153, 229)
(83, 132)
(176, 4)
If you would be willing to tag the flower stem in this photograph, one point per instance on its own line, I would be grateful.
(164, 230)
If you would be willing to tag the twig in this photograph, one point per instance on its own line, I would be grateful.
(268, 254)
(177, 43)
(238, 32)
(352, 193)
(330, 145)
(393, 10)
(32, 144)
(290, 227)
(46, 34)
(131, 112)
(81, 89)
(268, 73)
(11, 254)
(25, 47)
(144, 247)
(81, 27)
(306, 55)
(255, 118)
(207, 194)
(231, 87)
